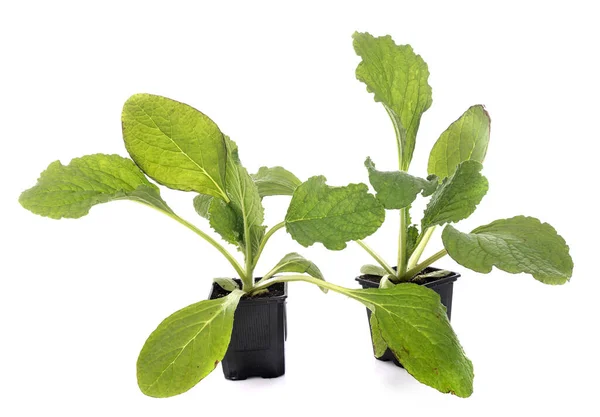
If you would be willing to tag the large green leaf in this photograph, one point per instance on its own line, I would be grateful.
(175, 144)
(398, 189)
(398, 78)
(186, 346)
(457, 197)
(413, 323)
(466, 139)
(70, 191)
(332, 215)
(294, 262)
(518, 244)
(275, 181)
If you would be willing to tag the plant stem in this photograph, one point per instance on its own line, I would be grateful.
(378, 258)
(421, 244)
(264, 240)
(416, 269)
(401, 266)
(289, 278)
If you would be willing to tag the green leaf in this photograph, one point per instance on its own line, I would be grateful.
(398, 78)
(457, 197)
(518, 244)
(175, 144)
(433, 274)
(202, 204)
(379, 346)
(332, 215)
(386, 281)
(227, 284)
(413, 323)
(245, 202)
(294, 262)
(275, 181)
(70, 191)
(372, 270)
(397, 189)
(412, 238)
(226, 222)
(186, 346)
(466, 139)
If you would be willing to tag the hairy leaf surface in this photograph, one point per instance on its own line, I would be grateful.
(519, 244)
(175, 144)
(398, 78)
(332, 215)
(70, 191)
(457, 197)
(186, 346)
(275, 181)
(466, 139)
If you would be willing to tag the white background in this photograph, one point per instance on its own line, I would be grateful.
(78, 298)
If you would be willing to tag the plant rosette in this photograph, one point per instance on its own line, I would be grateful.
(179, 147)
(398, 79)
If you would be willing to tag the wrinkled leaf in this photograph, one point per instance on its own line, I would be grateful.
(412, 238)
(275, 181)
(227, 284)
(70, 191)
(466, 139)
(332, 215)
(398, 78)
(457, 197)
(175, 144)
(202, 204)
(186, 346)
(372, 270)
(294, 262)
(398, 189)
(519, 244)
(413, 324)
(224, 220)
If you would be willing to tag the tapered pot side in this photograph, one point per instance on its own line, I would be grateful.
(257, 346)
(443, 286)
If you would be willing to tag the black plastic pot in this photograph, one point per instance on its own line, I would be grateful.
(442, 286)
(258, 336)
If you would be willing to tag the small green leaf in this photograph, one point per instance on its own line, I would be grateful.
(386, 281)
(466, 139)
(275, 181)
(413, 323)
(372, 270)
(332, 215)
(175, 144)
(202, 204)
(227, 284)
(226, 222)
(519, 244)
(457, 197)
(294, 262)
(412, 237)
(379, 346)
(397, 189)
(433, 274)
(398, 78)
(186, 346)
(70, 191)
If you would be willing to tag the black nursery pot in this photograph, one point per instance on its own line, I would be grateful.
(258, 336)
(443, 286)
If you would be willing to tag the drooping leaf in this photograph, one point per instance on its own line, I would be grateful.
(398, 189)
(457, 197)
(379, 346)
(275, 181)
(413, 323)
(186, 346)
(519, 244)
(175, 144)
(70, 191)
(202, 204)
(372, 270)
(466, 139)
(332, 215)
(227, 284)
(398, 78)
(294, 262)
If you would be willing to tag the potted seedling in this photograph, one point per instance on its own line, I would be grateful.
(398, 78)
(243, 323)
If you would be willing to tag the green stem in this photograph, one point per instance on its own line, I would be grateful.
(378, 258)
(421, 244)
(264, 240)
(289, 278)
(416, 269)
(401, 266)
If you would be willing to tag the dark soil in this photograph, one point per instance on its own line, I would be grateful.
(416, 280)
(275, 290)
